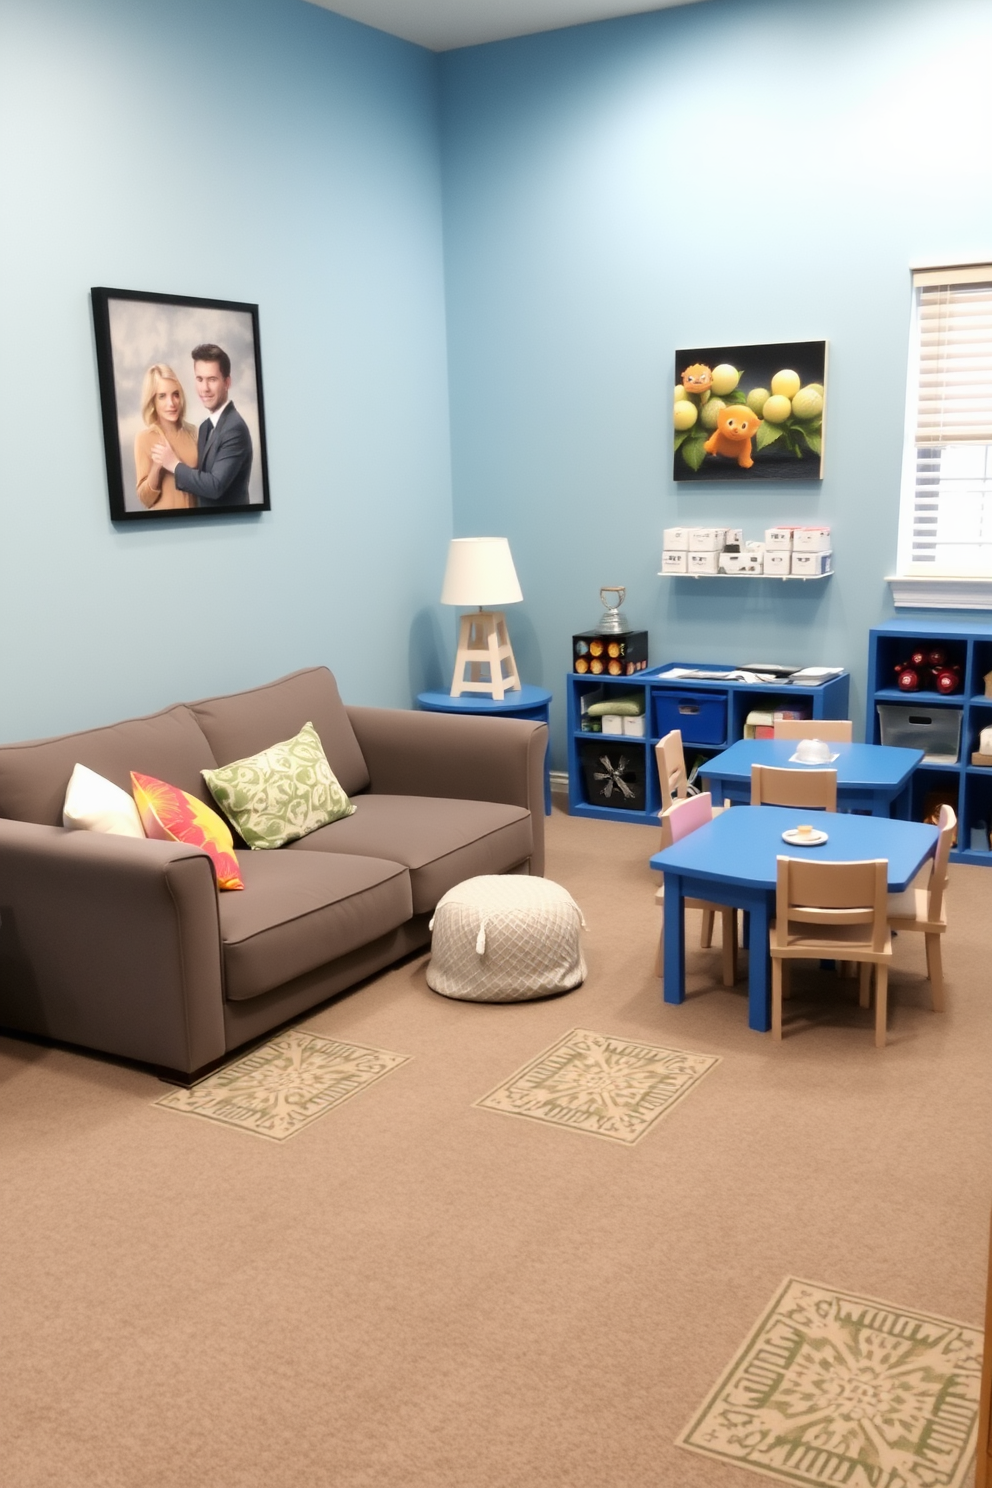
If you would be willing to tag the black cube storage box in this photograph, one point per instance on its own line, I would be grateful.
(613, 772)
(598, 655)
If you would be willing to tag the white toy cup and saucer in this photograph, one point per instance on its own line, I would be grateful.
(813, 752)
(804, 836)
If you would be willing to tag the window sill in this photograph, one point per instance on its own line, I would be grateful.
(932, 592)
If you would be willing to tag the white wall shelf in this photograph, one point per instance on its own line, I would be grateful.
(772, 578)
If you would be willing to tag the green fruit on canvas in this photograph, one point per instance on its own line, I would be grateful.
(777, 408)
(786, 384)
(725, 379)
(686, 414)
(757, 398)
(708, 416)
(680, 393)
(808, 403)
(817, 387)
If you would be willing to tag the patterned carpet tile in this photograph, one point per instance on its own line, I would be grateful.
(278, 1089)
(832, 1388)
(607, 1087)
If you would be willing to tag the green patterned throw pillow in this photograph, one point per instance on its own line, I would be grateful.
(285, 792)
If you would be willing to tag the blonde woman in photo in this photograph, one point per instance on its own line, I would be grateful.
(163, 412)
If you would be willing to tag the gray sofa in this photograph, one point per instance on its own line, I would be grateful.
(125, 946)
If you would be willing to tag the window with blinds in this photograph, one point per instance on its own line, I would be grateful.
(946, 509)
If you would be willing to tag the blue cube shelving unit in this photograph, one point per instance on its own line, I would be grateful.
(969, 785)
(713, 721)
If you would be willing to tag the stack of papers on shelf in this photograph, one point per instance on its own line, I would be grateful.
(803, 676)
(699, 674)
(814, 676)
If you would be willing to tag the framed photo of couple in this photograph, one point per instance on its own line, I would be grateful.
(181, 392)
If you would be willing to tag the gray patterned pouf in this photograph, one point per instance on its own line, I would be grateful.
(504, 938)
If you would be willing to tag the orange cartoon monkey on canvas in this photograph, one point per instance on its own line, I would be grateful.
(732, 436)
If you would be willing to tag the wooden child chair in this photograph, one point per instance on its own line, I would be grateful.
(771, 786)
(921, 907)
(677, 821)
(831, 730)
(837, 911)
(674, 782)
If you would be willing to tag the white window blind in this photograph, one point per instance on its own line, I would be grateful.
(946, 508)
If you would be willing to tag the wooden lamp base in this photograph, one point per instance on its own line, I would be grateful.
(483, 641)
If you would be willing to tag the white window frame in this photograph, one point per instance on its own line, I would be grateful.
(927, 584)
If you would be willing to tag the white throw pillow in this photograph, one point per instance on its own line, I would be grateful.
(93, 804)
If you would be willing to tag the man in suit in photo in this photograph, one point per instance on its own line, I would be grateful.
(224, 452)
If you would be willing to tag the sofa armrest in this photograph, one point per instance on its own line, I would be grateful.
(460, 757)
(112, 943)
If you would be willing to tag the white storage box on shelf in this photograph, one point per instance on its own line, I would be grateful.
(778, 539)
(811, 565)
(777, 562)
(811, 540)
(740, 563)
(676, 539)
(676, 562)
(706, 539)
(704, 563)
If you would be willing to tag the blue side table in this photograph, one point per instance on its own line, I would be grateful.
(526, 702)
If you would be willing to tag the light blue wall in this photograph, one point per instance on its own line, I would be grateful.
(259, 150)
(733, 172)
(741, 170)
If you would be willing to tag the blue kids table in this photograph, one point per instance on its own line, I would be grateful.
(732, 860)
(870, 777)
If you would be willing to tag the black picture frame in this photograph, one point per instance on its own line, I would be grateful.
(137, 331)
(788, 448)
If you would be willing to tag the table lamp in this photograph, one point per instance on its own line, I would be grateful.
(480, 572)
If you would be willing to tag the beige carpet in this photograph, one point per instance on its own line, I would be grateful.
(415, 1290)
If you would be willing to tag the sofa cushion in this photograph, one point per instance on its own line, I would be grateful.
(93, 804)
(284, 792)
(441, 842)
(170, 745)
(298, 913)
(245, 723)
(169, 814)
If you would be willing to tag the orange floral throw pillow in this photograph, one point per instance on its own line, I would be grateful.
(170, 815)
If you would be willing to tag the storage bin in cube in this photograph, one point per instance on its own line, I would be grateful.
(937, 731)
(613, 773)
(700, 717)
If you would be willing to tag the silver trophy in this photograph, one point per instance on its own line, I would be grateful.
(614, 621)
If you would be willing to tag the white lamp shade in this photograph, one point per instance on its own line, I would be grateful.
(480, 571)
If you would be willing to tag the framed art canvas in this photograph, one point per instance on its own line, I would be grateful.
(181, 393)
(750, 413)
